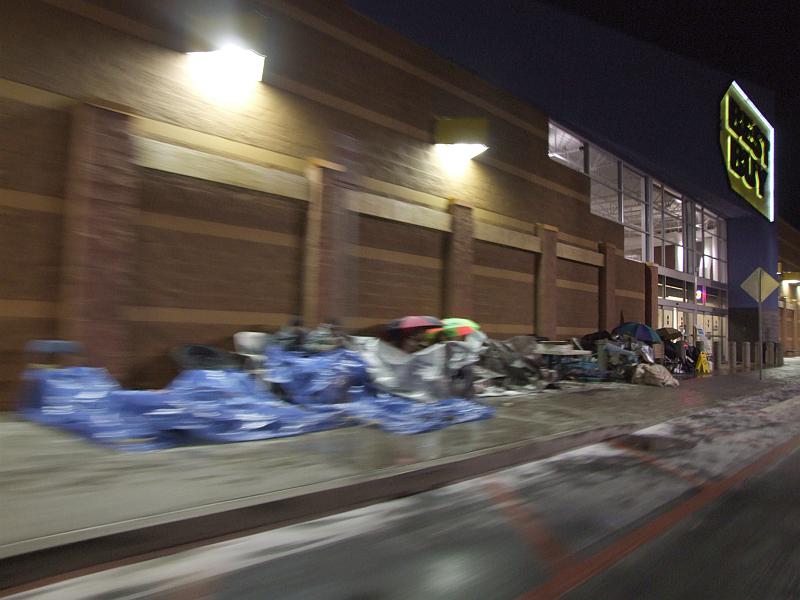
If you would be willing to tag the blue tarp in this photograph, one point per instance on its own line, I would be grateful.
(315, 379)
(326, 390)
(232, 406)
(79, 399)
(212, 406)
(340, 378)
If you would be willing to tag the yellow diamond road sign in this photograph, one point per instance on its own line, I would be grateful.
(760, 285)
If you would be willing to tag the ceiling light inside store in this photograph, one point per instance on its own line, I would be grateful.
(227, 75)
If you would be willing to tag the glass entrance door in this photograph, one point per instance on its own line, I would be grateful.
(681, 319)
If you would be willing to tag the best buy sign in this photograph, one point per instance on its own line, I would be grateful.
(748, 149)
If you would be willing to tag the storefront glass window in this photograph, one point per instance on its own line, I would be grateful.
(635, 243)
(711, 223)
(633, 213)
(605, 201)
(633, 183)
(658, 222)
(673, 204)
(712, 297)
(662, 225)
(566, 147)
(658, 251)
(711, 245)
(603, 166)
(675, 289)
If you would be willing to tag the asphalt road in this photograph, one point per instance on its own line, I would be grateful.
(744, 546)
(704, 506)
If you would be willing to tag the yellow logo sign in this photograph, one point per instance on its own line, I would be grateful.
(747, 141)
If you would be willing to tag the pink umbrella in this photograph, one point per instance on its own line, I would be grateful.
(414, 322)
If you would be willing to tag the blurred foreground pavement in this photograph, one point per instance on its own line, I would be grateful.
(701, 506)
(59, 490)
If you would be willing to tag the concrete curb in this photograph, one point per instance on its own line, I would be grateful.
(102, 547)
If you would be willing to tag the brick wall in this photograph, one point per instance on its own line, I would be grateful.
(577, 297)
(386, 108)
(210, 258)
(33, 147)
(206, 258)
(630, 294)
(399, 270)
(788, 339)
(503, 290)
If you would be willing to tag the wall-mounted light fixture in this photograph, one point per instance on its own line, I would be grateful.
(460, 140)
(227, 75)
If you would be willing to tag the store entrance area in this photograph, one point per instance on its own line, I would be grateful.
(697, 325)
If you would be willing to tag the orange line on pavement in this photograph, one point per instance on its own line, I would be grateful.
(578, 573)
(652, 460)
(532, 527)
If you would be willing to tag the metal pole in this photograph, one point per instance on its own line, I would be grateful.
(760, 334)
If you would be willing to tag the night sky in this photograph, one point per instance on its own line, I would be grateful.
(750, 40)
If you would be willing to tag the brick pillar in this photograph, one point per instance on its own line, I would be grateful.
(546, 300)
(651, 294)
(327, 285)
(608, 317)
(330, 276)
(99, 234)
(459, 261)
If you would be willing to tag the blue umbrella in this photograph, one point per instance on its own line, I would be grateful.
(638, 331)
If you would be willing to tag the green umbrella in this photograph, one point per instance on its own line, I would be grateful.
(455, 327)
(638, 331)
(459, 322)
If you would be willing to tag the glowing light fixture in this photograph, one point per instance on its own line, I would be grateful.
(790, 277)
(458, 141)
(227, 75)
(700, 295)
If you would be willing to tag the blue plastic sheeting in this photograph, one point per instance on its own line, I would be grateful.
(315, 379)
(78, 399)
(232, 406)
(213, 406)
(340, 378)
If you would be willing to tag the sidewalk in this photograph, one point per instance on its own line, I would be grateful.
(59, 490)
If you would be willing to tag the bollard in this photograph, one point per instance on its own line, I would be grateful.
(746, 365)
(769, 361)
(779, 354)
(602, 355)
(732, 357)
(716, 351)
